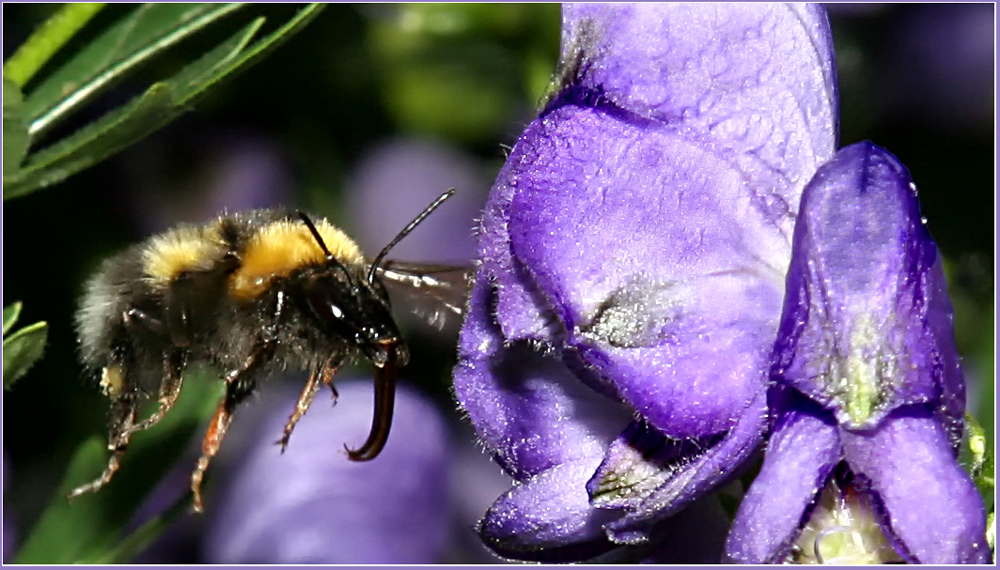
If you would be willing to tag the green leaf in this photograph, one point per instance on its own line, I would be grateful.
(146, 32)
(47, 40)
(75, 525)
(90, 527)
(991, 530)
(982, 458)
(15, 127)
(160, 104)
(10, 314)
(144, 536)
(21, 350)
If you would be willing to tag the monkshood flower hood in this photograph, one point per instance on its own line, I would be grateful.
(633, 251)
(868, 396)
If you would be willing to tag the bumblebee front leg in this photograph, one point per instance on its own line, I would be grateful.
(309, 394)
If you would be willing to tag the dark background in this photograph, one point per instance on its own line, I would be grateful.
(916, 79)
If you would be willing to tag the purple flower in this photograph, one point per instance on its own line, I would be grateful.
(634, 247)
(869, 397)
(312, 505)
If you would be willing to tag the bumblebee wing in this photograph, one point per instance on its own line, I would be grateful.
(435, 292)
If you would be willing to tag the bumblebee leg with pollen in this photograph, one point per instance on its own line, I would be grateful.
(123, 413)
(385, 394)
(308, 395)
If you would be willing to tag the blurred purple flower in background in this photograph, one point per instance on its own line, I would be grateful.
(238, 170)
(633, 252)
(312, 505)
(399, 178)
(869, 396)
(940, 67)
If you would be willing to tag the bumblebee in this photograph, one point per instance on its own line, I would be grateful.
(252, 294)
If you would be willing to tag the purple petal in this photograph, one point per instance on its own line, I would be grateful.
(548, 517)
(934, 509)
(757, 80)
(645, 234)
(682, 330)
(312, 505)
(529, 410)
(635, 244)
(867, 322)
(653, 479)
(802, 452)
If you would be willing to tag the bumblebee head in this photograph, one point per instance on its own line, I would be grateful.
(348, 304)
(348, 307)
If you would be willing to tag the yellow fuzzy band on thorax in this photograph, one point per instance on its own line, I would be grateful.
(280, 248)
(182, 249)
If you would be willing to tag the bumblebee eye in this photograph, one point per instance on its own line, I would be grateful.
(324, 296)
(335, 311)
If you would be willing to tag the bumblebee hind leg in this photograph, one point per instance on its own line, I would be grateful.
(239, 384)
(123, 414)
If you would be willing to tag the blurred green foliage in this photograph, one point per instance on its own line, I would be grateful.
(470, 75)
(140, 35)
(22, 348)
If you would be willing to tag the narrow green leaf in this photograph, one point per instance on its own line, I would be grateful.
(47, 40)
(259, 49)
(135, 543)
(10, 314)
(21, 350)
(90, 527)
(15, 127)
(146, 32)
(160, 104)
(76, 526)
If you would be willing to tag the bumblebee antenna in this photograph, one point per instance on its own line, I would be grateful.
(409, 228)
(319, 240)
(314, 232)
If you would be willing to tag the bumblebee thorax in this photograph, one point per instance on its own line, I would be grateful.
(283, 248)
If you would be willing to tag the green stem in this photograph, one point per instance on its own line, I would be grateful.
(46, 41)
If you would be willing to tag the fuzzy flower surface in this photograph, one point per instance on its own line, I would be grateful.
(633, 252)
(869, 397)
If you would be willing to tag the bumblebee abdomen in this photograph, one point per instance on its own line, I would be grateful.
(107, 294)
(186, 249)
